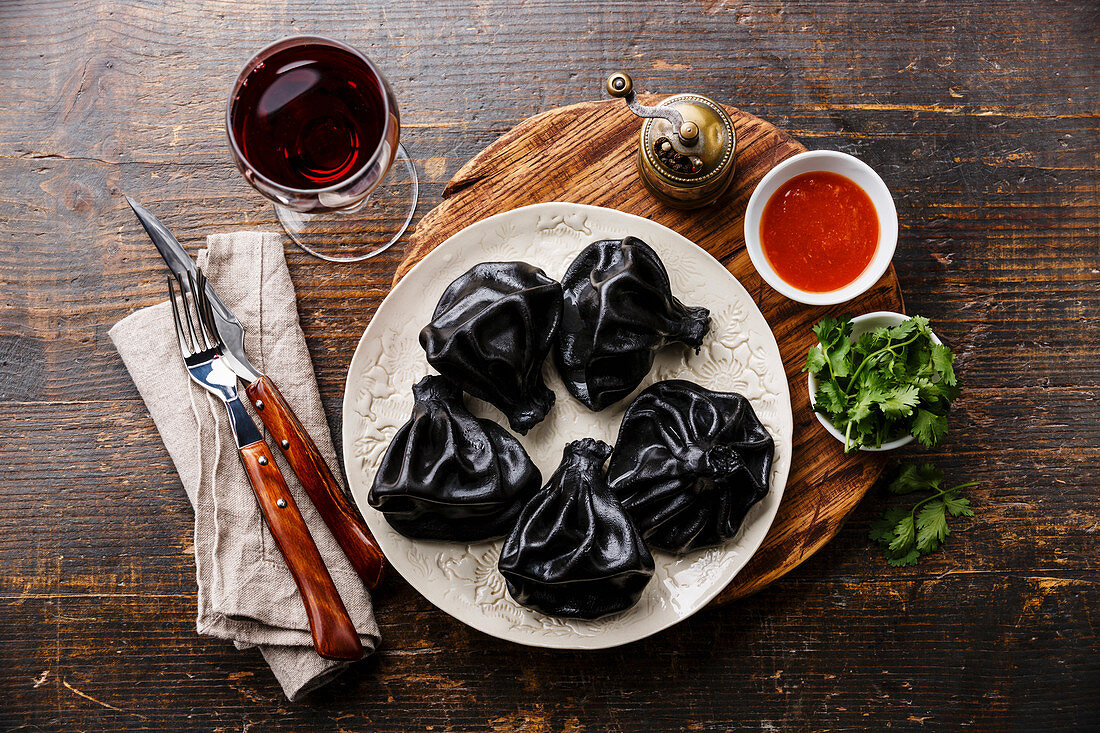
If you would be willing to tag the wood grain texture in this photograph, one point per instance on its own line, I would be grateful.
(586, 153)
(333, 632)
(982, 119)
(334, 506)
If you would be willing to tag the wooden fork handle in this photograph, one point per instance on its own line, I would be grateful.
(334, 635)
(339, 514)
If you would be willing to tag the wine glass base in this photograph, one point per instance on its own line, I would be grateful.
(368, 229)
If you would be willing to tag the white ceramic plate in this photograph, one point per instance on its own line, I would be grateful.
(739, 355)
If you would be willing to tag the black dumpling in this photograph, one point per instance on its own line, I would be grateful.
(574, 551)
(618, 312)
(448, 475)
(689, 464)
(491, 332)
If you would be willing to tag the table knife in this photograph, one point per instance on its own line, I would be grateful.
(337, 511)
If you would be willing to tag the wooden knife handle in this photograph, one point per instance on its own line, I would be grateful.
(334, 635)
(339, 514)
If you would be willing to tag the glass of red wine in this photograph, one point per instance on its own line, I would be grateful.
(313, 126)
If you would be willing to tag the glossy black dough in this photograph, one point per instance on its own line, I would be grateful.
(491, 332)
(618, 312)
(689, 464)
(448, 475)
(574, 551)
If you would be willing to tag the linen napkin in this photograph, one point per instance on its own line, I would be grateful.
(245, 591)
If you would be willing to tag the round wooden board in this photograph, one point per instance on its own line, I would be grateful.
(585, 153)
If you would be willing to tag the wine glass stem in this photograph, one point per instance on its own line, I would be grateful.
(369, 228)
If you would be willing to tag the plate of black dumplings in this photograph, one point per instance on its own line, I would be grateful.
(568, 426)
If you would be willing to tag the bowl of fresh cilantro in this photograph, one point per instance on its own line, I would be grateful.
(880, 381)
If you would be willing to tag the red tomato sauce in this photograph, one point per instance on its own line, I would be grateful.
(819, 231)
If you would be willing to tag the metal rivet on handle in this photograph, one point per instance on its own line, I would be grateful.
(285, 444)
(281, 503)
(259, 404)
(263, 460)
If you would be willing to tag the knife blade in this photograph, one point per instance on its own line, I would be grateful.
(339, 514)
(181, 264)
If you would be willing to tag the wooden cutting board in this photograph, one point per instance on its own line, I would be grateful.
(585, 154)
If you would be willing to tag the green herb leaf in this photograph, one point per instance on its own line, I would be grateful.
(861, 408)
(904, 533)
(830, 331)
(909, 558)
(882, 529)
(879, 336)
(815, 360)
(931, 526)
(935, 394)
(899, 402)
(942, 360)
(957, 506)
(837, 356)
(916, 478)
(866, 343)
(928, 427)
(907, 533)
(830, 398)
(922, 325)
(902, 330)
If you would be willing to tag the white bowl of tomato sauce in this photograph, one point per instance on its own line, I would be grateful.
(821, 227)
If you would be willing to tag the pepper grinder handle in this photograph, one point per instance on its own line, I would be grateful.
(620, 85)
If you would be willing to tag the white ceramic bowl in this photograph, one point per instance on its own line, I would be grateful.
(864, 177)
(861, 325)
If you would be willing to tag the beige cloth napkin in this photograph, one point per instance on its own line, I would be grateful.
(246, 592)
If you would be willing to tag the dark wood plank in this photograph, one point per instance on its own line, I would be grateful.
(835, 641)
(981, 117)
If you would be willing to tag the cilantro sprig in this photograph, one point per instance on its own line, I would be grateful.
(890, 382)
(909, 533)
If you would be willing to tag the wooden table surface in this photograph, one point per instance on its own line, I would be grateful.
(981, 116)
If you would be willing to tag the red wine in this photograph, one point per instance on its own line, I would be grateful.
(309, 116)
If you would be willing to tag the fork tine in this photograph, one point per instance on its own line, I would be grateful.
(197, 288)
(206, 312)
(196, 311)
(210, 320)
(185, 349)
(192, 342)
(190, 312)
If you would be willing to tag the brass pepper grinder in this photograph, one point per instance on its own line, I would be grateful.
(686, 146)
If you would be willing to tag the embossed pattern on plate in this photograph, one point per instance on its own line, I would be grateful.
(738, 355)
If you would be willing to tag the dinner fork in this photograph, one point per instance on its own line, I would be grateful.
(333, 633)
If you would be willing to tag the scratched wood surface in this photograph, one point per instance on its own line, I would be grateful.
(549, 157)
(980, 115)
